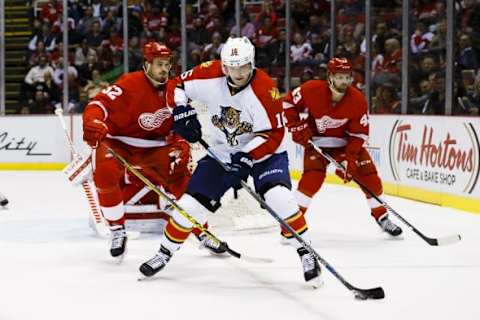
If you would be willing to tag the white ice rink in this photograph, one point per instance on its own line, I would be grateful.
(53, 267)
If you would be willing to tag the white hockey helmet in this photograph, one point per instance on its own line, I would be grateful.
(237, 52)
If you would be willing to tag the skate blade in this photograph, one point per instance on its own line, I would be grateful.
(144, 278)
(316, 282)
(119, 259)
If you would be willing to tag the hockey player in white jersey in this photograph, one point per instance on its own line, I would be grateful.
(246, 124)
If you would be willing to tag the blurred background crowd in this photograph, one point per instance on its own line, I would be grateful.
(96, 47)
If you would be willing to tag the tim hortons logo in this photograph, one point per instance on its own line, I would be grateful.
(449, 157)
(151, 121)
(326, 122)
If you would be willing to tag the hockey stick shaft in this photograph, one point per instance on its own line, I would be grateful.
(59, 113)
(175, 205)
(430, 241)
(96, 215)
(375, 293)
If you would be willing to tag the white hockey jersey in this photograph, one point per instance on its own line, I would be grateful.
(249, 120)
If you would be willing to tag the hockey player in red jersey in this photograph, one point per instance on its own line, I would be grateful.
(337, 122)
(245, 121)
(131, 118)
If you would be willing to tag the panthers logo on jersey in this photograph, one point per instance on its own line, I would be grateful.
(229, 123)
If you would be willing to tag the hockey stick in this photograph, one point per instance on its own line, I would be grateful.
(99, 221)
(362, 294)
(161, 193)
(431, 241)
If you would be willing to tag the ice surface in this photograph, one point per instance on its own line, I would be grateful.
(53, 267)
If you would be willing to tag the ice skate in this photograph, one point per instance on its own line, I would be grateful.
(389, 227)
(212, 246)
(311, 269)
(157, 263)
(119, 242)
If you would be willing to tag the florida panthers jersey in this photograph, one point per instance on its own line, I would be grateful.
(134, 111)
(334, 124)
(248, 120)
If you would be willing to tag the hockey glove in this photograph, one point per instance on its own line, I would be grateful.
(94, 132)
(350, 171)
(301, 132)
(240, 166)
(186, 124)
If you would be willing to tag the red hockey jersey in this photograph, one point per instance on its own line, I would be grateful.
(334, 124)
(134, 111)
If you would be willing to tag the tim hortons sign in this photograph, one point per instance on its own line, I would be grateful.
(435, 156)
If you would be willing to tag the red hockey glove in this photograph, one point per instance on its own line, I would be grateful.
(301, 132)
(94, 132)
(350, 165)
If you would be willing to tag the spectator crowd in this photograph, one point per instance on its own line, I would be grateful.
(96, 46)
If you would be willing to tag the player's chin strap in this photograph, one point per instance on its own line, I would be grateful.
(431, 241)
(154, 188)
(374, 293)
(155, 83)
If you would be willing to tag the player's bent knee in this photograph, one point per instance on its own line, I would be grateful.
(282, 201)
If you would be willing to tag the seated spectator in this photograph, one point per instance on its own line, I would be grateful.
(386, 100)
(94, 86)
(58, 72)
(420, 39)
(155, 19)
(266, 12)
(467, 58)
(212, 50)
(135, 25)
(320, 44)
(82, 52)
(300, 50)
(33, 60)
(85, 24)
(48, 38)
(198, 36)
(439, 40)
(247, 29)
(51, 12)
(417, 103)
(266, 42)
(94, 37)
(111, 22)
(86, 69)
(115, 41)
(99, 10)
(37, 73)
(428, 66)
(40, 102)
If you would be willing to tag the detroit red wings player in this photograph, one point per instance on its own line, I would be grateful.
(337, 122)
(132, 118)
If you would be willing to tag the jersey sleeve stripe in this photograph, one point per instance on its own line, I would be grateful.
(101, 106)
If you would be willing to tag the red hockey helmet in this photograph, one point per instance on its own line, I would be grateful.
(153, 50)
(339, 65)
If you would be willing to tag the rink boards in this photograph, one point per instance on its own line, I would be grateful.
(426, 158)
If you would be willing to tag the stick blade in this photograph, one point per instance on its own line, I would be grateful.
(364, 294)
(445, 240)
